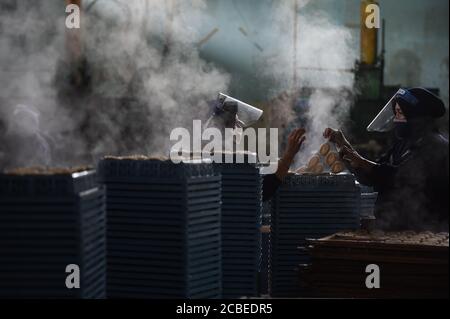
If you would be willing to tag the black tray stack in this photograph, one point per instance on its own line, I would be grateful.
(47, 222)
(307, 206)
(265, 254)
(163, 229)
(368, 201)
(241, 224)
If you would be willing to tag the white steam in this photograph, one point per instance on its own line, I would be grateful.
(146, 77)
(324, 55)
(144, 70)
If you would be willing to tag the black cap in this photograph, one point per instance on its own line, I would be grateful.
(428, 104)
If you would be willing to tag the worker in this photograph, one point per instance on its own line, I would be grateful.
(271, 182)
(412, 176)
(26, 144)
(231, 113)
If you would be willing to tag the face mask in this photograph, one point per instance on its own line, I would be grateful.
(402, 130)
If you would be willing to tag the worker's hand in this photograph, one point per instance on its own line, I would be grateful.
(354, 161)
(335, 136)
(295, 141)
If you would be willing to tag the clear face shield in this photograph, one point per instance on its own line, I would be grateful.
(384, 121)
(25, 120)
(230, 113)
(233, 110)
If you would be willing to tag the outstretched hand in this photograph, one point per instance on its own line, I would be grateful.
(295, 141)
(335, 136)
(354, 161)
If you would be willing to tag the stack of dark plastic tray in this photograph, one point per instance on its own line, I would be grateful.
(367, 210)
(241, 224)
(368, 200)
(265, 254)
(307, 206)
(47, 222)
(163, 223)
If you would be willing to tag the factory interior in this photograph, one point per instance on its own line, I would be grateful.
(348, 98)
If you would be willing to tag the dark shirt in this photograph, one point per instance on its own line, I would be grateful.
(413, 188)
(412, 181)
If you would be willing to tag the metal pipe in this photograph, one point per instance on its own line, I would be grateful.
(74, 38)
(369, 36)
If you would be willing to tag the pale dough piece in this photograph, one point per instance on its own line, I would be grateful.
(337, 167)
(314, 161)
(318, 169)
(325, 149)
(331, 158)
(302, 170)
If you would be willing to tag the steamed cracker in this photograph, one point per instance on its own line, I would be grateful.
(302, 170)
(331, 158)
(318, 169)
(326, 160)
(325, 149)
(337, 167)
(313, 161)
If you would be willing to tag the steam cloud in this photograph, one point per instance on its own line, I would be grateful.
(325, 56)
(145, 73)
(146, 77)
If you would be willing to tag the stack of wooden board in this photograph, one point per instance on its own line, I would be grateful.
(411, 265)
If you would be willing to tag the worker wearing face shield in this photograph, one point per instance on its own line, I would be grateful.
(25, 142)
(231, 113)
(412, 176)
